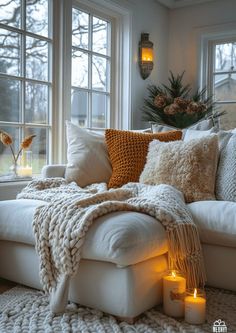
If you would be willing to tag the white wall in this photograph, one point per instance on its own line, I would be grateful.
(185, 26)
(148, 16)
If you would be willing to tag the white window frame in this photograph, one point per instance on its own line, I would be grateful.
(61, 69)
(121, 55)
(209, 37)
(121, 72)
(109, 57)
(21, 124)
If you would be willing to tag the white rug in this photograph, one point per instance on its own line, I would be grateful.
(25, 310)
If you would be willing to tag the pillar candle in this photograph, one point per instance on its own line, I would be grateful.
(25, 171)
(195, 308)
(174, 286)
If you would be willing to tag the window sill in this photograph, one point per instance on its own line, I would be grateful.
(10, 188)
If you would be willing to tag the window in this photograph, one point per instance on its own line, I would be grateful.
(90, 69)
(222, 78)
(62, 60)
(25, 76)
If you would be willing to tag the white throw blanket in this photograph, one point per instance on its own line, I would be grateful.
(61, 226)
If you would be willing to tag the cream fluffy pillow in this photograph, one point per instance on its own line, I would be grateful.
(189, 166)
(87, 157)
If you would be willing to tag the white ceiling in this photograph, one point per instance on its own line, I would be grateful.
(181, 3)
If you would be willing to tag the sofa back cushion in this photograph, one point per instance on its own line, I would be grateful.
(87, 157)
(223, 136)
(203, 125)
(226, 173)
(189, 166)
(127, 152)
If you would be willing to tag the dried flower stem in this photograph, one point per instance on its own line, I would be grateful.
(13, 154)
(6, 139)
(18, 154)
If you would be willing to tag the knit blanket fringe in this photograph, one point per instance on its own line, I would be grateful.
(60, 226)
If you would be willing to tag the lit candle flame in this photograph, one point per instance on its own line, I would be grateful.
(195, 293)
(173, 274)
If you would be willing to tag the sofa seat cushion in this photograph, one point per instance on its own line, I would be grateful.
(16, 218)
(216, 221)
(123, 238)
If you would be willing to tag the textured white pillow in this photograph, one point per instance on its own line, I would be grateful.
(189, 166)
(226, 173)
(87, 157)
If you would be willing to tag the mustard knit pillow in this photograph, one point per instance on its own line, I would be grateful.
(127, 151)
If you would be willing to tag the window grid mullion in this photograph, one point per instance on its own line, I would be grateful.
(225, 102)
(16, 124)
(21, 78)
(109, 84)
(90, 78)
(91, 52)
(224, 72)
(91, 90)
(210, 70)
(23, 68)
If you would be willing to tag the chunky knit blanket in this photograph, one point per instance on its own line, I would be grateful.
(61, 225)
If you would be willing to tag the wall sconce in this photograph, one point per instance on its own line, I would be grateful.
(145, 55)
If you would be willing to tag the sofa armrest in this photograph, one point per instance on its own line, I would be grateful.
(54, 170)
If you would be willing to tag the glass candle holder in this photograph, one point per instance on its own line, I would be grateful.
(25, 168)
(195, 306)
(174, 286)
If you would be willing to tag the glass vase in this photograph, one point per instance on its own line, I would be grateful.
(14, 168)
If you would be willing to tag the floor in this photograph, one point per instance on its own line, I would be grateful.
(6, 285)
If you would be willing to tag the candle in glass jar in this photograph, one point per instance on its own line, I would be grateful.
(25, 168)
(25, 171)
(174, 286)
(195, 307)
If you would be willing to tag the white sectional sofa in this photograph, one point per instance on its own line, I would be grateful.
(124, 255)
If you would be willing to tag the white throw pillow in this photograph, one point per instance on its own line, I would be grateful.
(87, 156)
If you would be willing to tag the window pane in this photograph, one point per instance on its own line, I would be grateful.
(36, 103)
(225, 87)
(37, 17)
(99, 110)
(99, 73)
(38, 147)
(10, 12)
(79, 107)
(9, 100)
(80, 26)
(6, 158)
(9, 52)
(227, 121)
(100, 33)
(36, 59)
(79, 69)
(225, 57)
